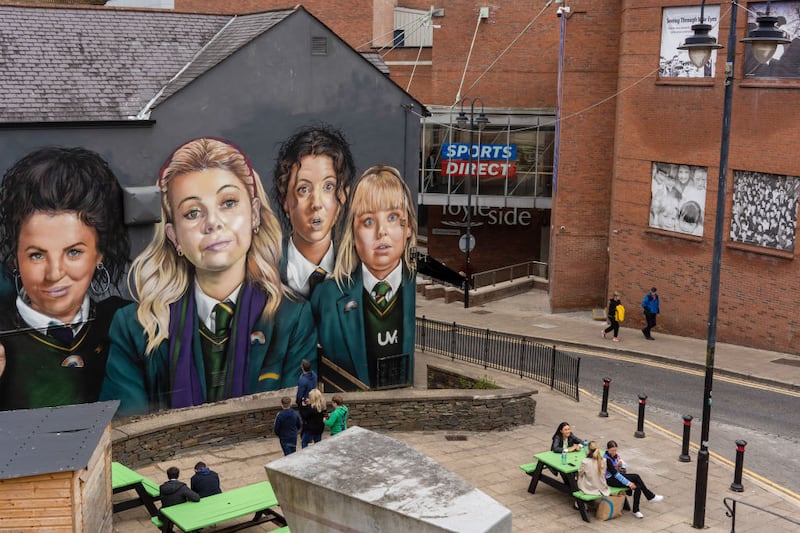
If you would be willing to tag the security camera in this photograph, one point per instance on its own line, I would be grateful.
(561, 10)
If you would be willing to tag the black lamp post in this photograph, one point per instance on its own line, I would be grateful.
(765, 40)
(481, 121)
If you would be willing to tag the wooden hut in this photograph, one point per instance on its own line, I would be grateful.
(55, 468)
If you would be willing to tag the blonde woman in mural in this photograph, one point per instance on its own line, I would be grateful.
(367, 311)
(212, 320)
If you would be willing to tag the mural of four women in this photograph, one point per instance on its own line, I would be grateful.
(225, 303)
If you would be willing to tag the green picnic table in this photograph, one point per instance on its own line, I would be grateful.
(568, 472)
(258, 498)
(124, 479)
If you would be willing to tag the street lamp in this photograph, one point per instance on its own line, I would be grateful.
(481, 121)
(764, 40)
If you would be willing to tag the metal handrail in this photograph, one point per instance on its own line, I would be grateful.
(508, 273)
(731, 511)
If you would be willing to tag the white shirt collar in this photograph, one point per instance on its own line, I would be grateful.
(205, 304)
(395, 278)
(41, 322)
(299, 269)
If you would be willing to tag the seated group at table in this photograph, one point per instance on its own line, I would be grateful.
(601, 470)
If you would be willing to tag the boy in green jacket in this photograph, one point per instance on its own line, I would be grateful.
(337, 420)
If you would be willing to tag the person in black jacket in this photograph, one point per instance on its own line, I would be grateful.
(565, 438)
(312, 412)
(205, 481)
(174, 492)
(612, 317)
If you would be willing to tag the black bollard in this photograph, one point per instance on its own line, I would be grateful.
(639, 433)
(736, 486)
(604, 408)
(687, 429)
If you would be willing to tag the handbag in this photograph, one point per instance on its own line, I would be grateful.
(619, 313)
(609, 507)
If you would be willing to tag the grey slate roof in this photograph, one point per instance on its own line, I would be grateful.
(96, 64)
(52, 439)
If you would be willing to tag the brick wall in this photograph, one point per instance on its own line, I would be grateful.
(681, 123)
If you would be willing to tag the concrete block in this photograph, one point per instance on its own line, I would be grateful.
(363, 481)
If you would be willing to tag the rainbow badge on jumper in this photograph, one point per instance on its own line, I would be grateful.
(257, 337)
(73, 361)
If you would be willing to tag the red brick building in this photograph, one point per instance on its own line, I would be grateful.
(603, 200)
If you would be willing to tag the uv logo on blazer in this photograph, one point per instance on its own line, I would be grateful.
(387, 338)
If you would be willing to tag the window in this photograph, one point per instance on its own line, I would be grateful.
(412, 27)
(512, 159)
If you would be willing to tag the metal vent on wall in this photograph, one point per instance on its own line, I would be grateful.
(319, 46)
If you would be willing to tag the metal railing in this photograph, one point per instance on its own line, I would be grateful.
(730, 505)
(508, 273)
(502, 351)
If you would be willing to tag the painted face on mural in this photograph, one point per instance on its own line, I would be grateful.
(380, 239)
(57, 255)
(213, 220)
(311, 202)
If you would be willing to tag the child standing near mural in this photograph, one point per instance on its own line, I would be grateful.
(212, 321)
(366, 315)
(64, 243)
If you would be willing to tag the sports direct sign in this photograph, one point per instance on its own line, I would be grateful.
(488, 160)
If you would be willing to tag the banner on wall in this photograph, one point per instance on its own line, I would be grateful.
(786, 61)
(676, 26)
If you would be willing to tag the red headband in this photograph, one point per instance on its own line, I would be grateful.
(223, 141)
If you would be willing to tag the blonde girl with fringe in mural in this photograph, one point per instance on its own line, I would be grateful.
(365, 315)
(212, 320)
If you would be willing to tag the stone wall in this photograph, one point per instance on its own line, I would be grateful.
(162, 436)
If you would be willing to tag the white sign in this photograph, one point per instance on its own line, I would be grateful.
(462, 242)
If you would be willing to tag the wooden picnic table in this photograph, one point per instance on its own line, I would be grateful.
(568, 472)
(124, 479)
(258, 498)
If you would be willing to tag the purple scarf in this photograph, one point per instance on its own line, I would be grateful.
(186, 382)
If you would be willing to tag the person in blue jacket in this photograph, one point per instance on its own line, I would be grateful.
(212, 319)
(365, 315)
(650, 306)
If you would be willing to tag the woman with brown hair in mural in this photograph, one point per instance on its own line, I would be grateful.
(65, 246)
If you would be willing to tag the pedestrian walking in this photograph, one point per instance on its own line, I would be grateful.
(650, 307)
(613, 317)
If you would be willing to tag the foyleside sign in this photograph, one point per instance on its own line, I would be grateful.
(509, 216)
(488, 160)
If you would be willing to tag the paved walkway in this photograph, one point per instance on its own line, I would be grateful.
(490, 460)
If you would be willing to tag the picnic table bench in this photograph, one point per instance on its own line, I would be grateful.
(124, 479)
(569, 477)
(258, 499)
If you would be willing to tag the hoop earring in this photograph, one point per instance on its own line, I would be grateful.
(18, 282)
(101, 281)
(180, 253)
(255, 230)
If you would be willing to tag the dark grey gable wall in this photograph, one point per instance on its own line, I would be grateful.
(256, 98)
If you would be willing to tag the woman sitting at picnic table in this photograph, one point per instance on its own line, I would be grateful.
(565, 438)
(618, 476)
(592, 472)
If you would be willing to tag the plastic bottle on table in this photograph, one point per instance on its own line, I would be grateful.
(563, 456)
